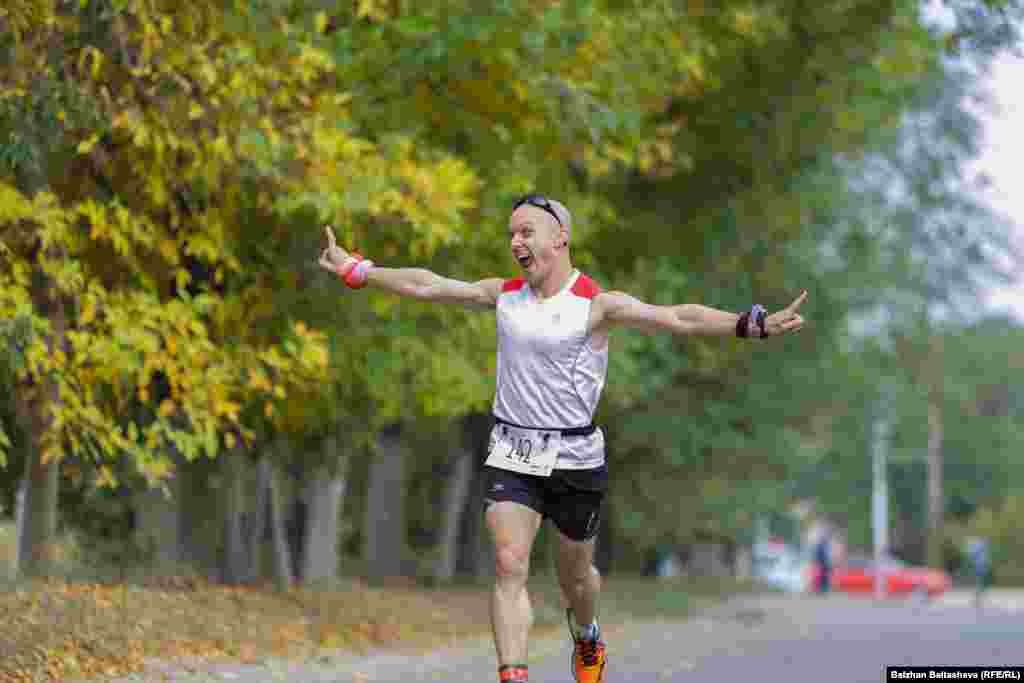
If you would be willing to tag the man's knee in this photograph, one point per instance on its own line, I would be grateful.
(573, 574)
(512, 563)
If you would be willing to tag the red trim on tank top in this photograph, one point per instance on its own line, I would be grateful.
(585, 287)
(513, 285)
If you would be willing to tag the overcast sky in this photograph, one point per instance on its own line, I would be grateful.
(1003, 160)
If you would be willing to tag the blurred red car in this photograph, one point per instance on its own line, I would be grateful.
(858, 576)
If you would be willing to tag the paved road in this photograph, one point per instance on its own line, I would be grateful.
(840, 641)
(773, 639)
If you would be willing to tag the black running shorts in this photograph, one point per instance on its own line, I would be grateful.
(572, 499)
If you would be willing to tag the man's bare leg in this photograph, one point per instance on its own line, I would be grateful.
(581, 584)
(513, 529)
(579, 578)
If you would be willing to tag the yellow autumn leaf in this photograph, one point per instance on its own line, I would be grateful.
(227, 409)
(169, 250)
(373, 9)
(316, 356)
(50, 454)
(105, 477)
(85, 146)
(258, 381)
(88, 313)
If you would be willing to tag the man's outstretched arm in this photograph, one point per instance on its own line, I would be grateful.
(620, 309)
(417, 283)
(426, 285)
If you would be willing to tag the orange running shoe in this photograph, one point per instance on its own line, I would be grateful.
(588, 656)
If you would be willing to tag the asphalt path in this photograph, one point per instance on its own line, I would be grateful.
(782, 640)
(841, 641)
(771, 639)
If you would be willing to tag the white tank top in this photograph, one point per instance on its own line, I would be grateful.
(549, 375)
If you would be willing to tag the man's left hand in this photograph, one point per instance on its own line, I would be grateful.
(786, 320)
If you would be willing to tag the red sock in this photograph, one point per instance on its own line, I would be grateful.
(513, 673)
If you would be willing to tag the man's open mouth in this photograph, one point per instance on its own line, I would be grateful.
(525, 260)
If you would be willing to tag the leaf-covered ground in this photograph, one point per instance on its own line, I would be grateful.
(57, 630)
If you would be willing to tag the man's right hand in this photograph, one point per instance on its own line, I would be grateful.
(333, 256)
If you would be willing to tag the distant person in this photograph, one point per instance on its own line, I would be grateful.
(546, 458)
(823, 558)
(981, 565)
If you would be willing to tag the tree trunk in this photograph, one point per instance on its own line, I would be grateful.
(19, 522)
(476, 552)
(457, 490)
(36, 542)
(936, 497)
(201, 516)
(284, 578)
(158, 529)
(324, 494)
(384, 530)
(234, 567)
(256, 529)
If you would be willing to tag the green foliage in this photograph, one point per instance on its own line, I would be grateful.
(999, 523)
(165, 168)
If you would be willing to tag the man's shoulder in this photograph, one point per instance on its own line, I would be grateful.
(513, 284)
(584, 287)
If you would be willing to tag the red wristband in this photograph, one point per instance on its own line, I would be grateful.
(354, 270)
(357, 276)
(515, 673)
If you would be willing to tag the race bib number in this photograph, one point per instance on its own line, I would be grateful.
(528, 451)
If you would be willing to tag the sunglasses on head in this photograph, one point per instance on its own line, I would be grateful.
(541, 202)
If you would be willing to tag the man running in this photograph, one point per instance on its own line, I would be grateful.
(546, 459)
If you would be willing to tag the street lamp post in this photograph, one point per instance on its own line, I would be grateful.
(880, 498)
